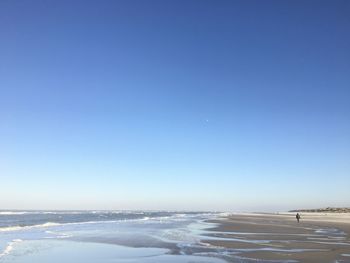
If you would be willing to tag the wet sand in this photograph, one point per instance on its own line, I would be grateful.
(278, 237)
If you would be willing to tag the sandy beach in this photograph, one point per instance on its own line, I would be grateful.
(319, 237)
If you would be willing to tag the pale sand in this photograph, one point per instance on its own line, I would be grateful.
(279, 237)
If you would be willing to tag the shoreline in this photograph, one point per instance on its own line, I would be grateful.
(320, 237)
(236, 237)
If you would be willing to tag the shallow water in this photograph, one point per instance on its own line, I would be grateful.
(72, 252)
(110, 237)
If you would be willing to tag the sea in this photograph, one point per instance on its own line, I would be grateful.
(106, 236)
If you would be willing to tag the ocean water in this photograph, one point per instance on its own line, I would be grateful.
(105, 236)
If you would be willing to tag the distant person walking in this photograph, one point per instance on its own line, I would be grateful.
(297, 217)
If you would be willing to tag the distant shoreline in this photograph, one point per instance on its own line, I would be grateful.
(323, 210)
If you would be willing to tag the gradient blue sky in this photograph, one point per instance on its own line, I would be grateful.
(206, 105)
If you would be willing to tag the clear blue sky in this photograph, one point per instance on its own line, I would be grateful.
(215, 105)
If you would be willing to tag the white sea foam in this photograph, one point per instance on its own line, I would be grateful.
(17, 228)
(55, 212)
(12, 213)
(52, 224)
(9, 247)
